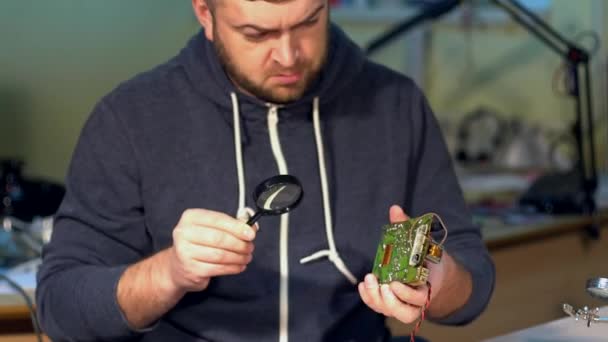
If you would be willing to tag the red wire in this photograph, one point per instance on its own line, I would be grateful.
(423, 314)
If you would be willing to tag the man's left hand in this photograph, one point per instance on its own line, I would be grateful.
(401, 301)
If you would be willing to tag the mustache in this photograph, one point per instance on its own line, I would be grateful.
(299, 68)
(275, 72)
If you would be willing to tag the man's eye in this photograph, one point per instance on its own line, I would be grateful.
(256, 36)
(311, 22)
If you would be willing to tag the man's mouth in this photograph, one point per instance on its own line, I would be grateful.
(287, 78)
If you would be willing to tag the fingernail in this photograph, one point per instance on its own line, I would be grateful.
(249, 233)
(370, 282)
(386, 291)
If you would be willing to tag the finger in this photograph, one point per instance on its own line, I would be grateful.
(220, 221)
(372, 289)
(407, 294)
(244, 217)
(396, 214)
(401, 311)
(364, 295)
(213, 238)
(217, 256)
(363, 292)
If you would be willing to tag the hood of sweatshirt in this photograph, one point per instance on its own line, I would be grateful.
(205, 71)
(343, 64)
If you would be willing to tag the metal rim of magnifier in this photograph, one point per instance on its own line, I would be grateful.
(598, 287)
(280, 179)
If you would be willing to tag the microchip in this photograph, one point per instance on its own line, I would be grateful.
(403, 248)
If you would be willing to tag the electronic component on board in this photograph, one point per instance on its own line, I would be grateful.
(403, 248)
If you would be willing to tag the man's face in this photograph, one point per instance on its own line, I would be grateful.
(273, 51)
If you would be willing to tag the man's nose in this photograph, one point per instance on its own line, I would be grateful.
(286, 51)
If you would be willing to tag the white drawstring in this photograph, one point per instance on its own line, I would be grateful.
(277, 151)
(332, 252)
(243, 212)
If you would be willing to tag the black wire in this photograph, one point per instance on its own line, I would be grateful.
(560, 78)
(29, 303)
(560, 74)
(596, 40)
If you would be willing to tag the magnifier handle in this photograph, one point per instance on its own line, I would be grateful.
(254, 218)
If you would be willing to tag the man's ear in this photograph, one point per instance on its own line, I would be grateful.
(205, 16)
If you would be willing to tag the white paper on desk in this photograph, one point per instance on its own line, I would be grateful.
(24, 275)
(566, 329)
(26, 280)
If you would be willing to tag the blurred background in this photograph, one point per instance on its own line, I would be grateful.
(58, 58)
(502, 96)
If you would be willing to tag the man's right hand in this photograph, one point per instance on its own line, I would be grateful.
(207, 244)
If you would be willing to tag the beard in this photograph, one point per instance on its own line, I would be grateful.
(278, 94)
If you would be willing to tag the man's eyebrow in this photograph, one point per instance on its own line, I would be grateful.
(266, 29)
(312, 15)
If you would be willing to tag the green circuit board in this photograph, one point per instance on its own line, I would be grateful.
(403, 248)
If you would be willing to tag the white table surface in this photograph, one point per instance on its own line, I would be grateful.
(566, 329)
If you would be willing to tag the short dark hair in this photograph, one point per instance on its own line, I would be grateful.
(213, 3)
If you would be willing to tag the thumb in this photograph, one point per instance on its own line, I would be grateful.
(396, 214)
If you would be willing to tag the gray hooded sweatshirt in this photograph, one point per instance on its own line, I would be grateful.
(182, 136)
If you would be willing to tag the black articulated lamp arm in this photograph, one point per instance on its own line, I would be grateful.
(429, 12)
(535, 25)
(576, 58)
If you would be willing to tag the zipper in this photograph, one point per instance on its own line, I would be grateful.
(273, 121)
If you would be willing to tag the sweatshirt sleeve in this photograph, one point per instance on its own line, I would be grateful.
(98, 231)
(435, 188)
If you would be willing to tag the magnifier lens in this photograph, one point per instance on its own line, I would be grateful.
(598, 287)
(279, 196)
(276, 195)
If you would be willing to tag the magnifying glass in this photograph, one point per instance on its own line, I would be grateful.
(276, 195)
(598, 287)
